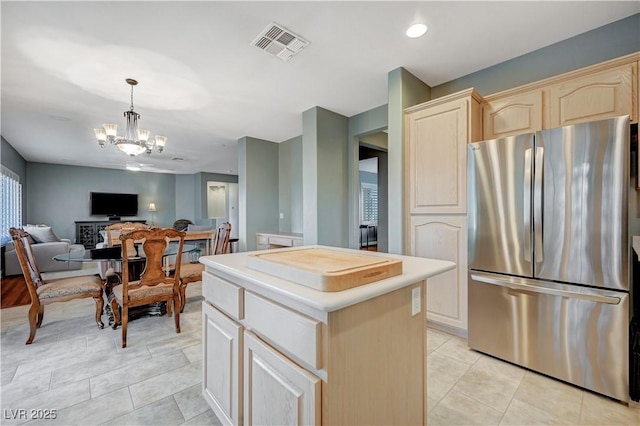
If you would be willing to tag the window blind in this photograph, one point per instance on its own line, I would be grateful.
(11, 196)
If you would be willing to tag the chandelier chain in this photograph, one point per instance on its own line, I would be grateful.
(131, 109)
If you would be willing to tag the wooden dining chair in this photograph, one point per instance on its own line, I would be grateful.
(45, 292)
(192, 272)
(114, 231)
(156, 284)
(113, 240)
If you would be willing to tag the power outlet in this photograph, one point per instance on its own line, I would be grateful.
(415, 301)
(281, 215)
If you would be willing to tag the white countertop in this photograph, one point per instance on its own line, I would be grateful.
(414, 269)
(281, 234)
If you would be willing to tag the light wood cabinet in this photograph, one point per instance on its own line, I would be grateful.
(592, 97)
(267, 240)
(222, 374)
(445, 238)
(597, 92)
(277, 391)
(437, 133)
(513, 115)
(272, 361)
(436, 161)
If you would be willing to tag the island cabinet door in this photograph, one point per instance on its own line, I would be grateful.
(277, 391)
(222, 366)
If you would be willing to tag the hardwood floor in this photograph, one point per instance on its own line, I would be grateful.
(13, 292)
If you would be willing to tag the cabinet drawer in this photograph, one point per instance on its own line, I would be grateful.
(280, 241)
(221, 293)
(292, 332)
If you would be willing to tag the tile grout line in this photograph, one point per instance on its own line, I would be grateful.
(504, 413)
(456, 382)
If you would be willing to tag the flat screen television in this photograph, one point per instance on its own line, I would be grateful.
(113, 205)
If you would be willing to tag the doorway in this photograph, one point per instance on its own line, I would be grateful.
(373, 198)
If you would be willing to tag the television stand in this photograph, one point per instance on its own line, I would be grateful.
(88, 232)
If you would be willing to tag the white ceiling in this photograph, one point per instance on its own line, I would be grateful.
(203, 86)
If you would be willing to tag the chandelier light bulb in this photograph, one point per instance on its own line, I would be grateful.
(160, 142)
(110, 129)
(143, 134)
(101, 135)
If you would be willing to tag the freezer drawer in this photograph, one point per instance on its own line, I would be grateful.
(573, 333)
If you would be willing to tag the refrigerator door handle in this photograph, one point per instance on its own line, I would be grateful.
(527, 206)
(537, 203)
(522, 285)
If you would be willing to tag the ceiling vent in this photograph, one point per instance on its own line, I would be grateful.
(279, 42)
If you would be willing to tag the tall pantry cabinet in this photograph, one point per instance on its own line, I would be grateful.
(437, 133)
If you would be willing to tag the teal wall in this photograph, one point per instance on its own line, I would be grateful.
(258, 190)
(290, 185)
(325, 177)
(59, 195)
(12, 159)
(368, 122)
(201, 179)
(405, 90)
(601, 44)
(365, 123)
(186, 190)
(191, 195)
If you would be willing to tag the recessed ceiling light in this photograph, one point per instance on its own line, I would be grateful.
(416, 30)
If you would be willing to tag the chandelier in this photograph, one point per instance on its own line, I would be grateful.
(135, 141)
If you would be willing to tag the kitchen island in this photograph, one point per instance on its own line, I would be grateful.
(278, 352)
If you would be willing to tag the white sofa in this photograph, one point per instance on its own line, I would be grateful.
(45, 245)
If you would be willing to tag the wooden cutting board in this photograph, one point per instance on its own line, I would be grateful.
(325, 269)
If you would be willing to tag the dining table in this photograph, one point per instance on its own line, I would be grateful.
(112, 256)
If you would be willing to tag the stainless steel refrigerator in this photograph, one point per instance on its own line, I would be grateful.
(549, 252)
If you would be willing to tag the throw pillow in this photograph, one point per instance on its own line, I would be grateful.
(198, 228)
(41, 233)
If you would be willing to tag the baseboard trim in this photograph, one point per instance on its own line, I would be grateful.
(448, 329)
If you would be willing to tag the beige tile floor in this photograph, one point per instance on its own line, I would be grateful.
(84, 374)
(468, 388)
